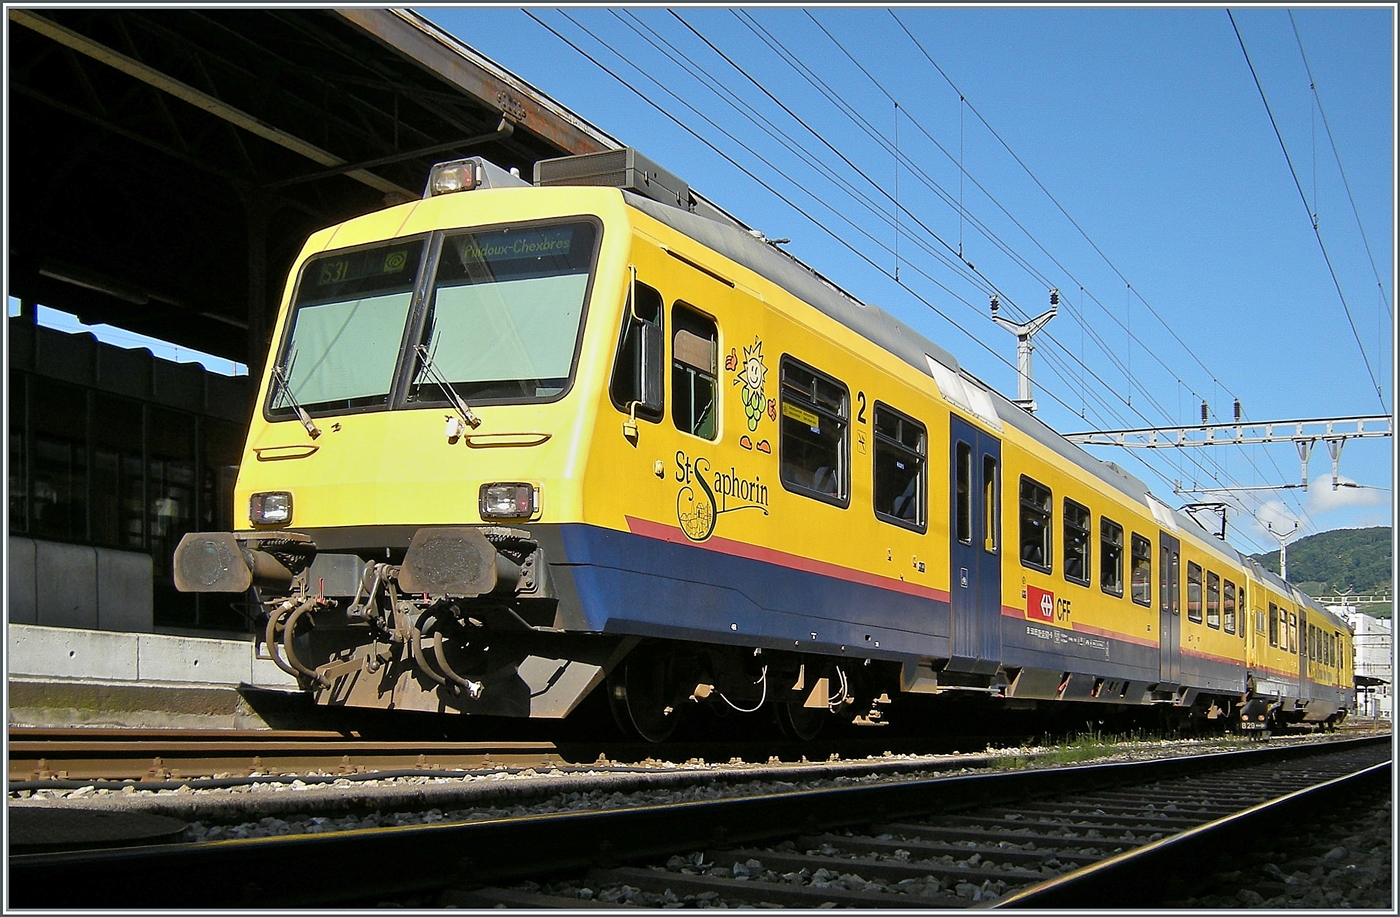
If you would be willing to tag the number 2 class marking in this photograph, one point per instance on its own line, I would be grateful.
(860, 400)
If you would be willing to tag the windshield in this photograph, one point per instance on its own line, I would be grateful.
(501, 323)
(346, 329)
(503, 318)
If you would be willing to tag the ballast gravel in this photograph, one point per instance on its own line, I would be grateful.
(1351, 868)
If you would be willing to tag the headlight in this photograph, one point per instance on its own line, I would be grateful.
(449, 177)
(507, 501)
(274, 508)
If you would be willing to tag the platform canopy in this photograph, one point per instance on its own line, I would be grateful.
(166, 164)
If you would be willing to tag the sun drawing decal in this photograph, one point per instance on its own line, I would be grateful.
(750, 376)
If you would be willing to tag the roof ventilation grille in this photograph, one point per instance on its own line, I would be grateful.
(625, 168)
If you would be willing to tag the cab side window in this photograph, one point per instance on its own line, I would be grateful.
(694, 368)
(901, 455)
(812, 449)
(641, 331)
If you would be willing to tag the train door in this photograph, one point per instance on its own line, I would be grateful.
(975, 594)
(1170, 617)
(1304, 654)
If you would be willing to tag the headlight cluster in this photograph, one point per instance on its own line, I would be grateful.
(495, 501)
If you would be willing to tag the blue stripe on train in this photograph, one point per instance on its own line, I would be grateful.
(701, 594)
(630, 583)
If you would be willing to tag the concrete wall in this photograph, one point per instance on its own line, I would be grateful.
(93, 655)
(82, 586)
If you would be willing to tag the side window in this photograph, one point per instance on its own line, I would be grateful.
(641, 330)
(694, 366)
(1035, 524)
(1293, 633)
(1077, 521)
(991, 505)
(1213, 600)
(1142, 570)
(1193, 591)
(812, 449)
(901, 456)
(963, 473)
(1110, 556)
(1230, 607)
(1273, 625)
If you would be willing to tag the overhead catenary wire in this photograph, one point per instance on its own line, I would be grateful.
(1380, 394)
(781, 173)
(864, 124)
(719, 89)
(1327, 127)
(780, 196)
(1110, 353)
(1051, 196)
(846, 108)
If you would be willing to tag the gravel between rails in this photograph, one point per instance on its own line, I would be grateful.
(1342, 860)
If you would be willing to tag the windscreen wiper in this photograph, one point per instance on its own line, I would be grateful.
(279, 375)
(431, 371)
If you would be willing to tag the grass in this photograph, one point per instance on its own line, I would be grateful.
(1087, 746)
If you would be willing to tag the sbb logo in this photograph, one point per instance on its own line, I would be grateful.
(1040, 605)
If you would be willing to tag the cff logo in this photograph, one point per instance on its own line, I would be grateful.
(1040, 605)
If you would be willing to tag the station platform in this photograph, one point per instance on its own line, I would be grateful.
(61, 676)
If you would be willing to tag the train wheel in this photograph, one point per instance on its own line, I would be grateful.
(802, 723)
(640, 694)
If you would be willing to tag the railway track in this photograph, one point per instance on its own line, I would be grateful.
(154, 758)
(72, 756)
(1044, 837)
(163, 755)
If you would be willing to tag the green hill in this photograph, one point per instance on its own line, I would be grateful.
(1337, 562)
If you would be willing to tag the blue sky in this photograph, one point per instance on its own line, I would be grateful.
(1168, 218)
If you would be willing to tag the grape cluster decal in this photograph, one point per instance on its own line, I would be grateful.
(750, 376)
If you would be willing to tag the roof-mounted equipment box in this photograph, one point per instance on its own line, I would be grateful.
(624, 168)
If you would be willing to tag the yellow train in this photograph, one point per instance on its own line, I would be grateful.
(520, 442)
